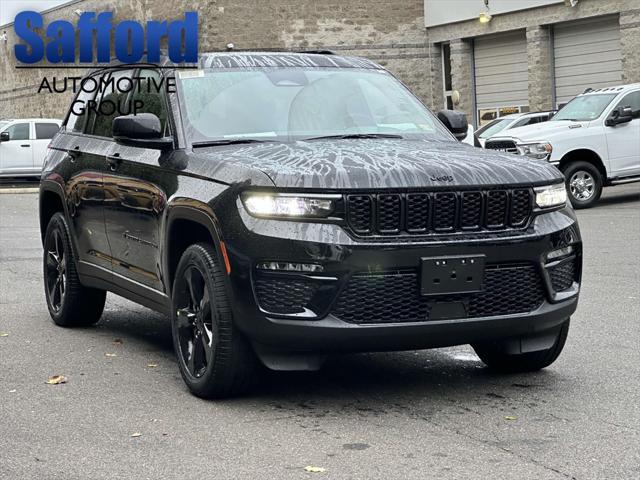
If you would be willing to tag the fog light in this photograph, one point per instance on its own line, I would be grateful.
(560, 253)
(290, 267)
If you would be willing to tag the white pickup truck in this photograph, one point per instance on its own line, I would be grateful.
(23, 145)
(594, 140)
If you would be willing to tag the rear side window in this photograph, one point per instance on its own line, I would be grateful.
(19, 131)
(46, 130)
(112, 103)
(78, 115)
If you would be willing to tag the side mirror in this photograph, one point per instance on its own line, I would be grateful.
(4, 137)
(456, 123)
(618, 116)
(143, 130)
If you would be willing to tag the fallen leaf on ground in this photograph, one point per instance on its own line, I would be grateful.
(510, 417)
(110, 355)
(117, 341)
(4, 334)
(136, 434)
(152, 365)
(312, 469)
(57, 380)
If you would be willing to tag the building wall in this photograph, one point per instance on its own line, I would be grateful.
(538, 24)
(377, 29)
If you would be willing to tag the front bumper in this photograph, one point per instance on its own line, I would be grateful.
(318, 327)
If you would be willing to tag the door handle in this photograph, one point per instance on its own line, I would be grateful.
(114, 161)
(25, 146)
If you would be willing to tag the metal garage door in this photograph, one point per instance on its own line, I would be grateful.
(586, 54)
(501, 75)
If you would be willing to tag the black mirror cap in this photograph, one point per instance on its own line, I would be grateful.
(142, 130)
(620, 115)
(456, 123)
(143, 126)
(4, 137)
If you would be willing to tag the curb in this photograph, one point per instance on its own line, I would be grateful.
(18, 190)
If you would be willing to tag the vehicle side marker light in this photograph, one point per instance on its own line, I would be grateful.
(225, 256)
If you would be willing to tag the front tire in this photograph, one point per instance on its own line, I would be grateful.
(494, 354)
(584, 184)
(70, 303)
(215, 361)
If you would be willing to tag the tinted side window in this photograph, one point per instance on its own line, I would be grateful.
(46, 130)
(112, 104)
(19, 131)
(632, 100)
(79, 113)
(153, 100)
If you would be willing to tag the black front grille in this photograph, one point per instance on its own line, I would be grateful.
(497, 209)
(438, 212)
(395, 297)
(508, 146)
(284, 295)
(563, 275)
(359, 213)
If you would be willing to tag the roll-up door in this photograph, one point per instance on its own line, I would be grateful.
(586, 55)
(501, 75)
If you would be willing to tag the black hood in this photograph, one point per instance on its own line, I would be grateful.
(370, 163)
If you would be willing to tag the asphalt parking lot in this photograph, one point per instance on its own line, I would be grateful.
(430, 414)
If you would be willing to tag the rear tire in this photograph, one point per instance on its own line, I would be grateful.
(215, 360)
(494, 355)
(584, 184)
(70, 303)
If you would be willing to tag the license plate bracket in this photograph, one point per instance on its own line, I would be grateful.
(452, 275)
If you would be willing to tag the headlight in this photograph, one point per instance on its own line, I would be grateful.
(289, 205)
(541, 150)
(551, 196)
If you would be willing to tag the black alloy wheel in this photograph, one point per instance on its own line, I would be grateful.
(214, 358)
(194, 322)
(70, 303)
(56, 272)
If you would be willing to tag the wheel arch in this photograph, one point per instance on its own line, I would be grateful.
(50, 202)
(186, 225)
(584, 155)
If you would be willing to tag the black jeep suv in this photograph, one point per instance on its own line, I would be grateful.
(282, 207)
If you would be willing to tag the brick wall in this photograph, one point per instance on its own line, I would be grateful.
(386, 31)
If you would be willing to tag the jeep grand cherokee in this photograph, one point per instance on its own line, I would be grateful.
(282, 207)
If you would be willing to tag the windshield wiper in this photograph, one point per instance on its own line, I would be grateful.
(229, 141)
(349, 136)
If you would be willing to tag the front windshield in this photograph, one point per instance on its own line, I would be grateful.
(3, 124)
(494, 127)
(285, 104)
(584, 108)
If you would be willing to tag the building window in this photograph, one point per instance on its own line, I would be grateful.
(446, 76)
